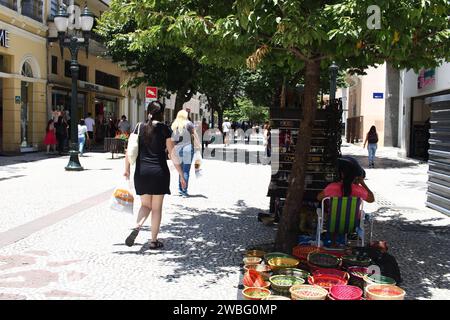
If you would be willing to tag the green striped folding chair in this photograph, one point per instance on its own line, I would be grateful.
(345, 215)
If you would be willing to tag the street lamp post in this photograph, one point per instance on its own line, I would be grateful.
(334, 68)
(73, 43)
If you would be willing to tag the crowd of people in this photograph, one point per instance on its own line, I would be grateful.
(90, 131)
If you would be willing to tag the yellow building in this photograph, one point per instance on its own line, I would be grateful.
(35, 79)
(23, 75)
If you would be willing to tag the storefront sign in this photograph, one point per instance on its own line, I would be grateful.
(90, 86)
(378, 95)
(151, 93)
(427, 77)
(4, 38)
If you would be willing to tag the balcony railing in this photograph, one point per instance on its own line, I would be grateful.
(12, 4)
(32, 9)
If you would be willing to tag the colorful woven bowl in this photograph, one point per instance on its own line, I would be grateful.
(252, 260)
(307, 292)
(334, 272)
(253, 279)
(255, 253)
(262, 269)
(344, 292)
(323, 260)
(326, 281)
(271, 255)
(282, 283)
(378, 279)
(265, 286)
(253, 293)
(302, 252)
(299, 273)
(355, 261)
(384, 292)
(357, 275)
(279, 263)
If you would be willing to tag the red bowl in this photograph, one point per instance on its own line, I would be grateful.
(326, 281)
(334, 272)
(344, 292)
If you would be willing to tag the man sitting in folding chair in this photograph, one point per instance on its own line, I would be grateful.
(342, 203)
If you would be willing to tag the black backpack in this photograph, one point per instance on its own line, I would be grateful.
(373, 137)
(387, 263)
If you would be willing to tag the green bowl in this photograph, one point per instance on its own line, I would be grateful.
(299, 273)
(282, 283)
(271, 255)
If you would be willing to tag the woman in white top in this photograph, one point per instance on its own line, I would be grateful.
(82, 135)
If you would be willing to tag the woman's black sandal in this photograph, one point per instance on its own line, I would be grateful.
(156, 244)
(133, 235)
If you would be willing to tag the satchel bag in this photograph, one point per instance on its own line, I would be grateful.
(133, 145)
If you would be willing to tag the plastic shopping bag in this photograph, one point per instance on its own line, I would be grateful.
(198, 164)
(122, 198)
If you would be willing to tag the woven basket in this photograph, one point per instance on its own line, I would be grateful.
(307, 292)
(275, 297)
(344, 292)
(323, 260)
(326, 281)
(279, 263)
(384, 292)
(357, 275)
(284, 288)
(334, 272)
(302, 252)
(255, 253)
(299, 273)
(249, 293)
(251, 260)
(271, 255)
(378, 279)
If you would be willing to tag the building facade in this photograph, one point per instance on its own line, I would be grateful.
(23, 75)
(414, 112)
(365, 104)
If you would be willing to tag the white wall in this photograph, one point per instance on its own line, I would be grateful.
(408, 90)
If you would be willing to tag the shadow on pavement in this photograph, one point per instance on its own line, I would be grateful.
(422, 252)
(209, 242)
(385, 163)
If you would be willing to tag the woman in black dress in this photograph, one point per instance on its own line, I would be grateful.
(152, 175)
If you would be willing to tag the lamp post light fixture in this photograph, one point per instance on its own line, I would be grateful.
(71, 41)
(334, 68)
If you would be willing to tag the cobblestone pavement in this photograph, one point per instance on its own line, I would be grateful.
(83, 256)
(418, 237)
(59, 239)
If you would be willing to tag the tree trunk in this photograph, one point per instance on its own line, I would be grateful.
(184, 94)
(219, 117)
(288, 229)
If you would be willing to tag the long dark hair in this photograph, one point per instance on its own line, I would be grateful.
(372, 130)
(48, 125)
(348, 175)
(155, 112)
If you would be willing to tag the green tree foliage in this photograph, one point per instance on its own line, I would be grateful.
(300, 35)
(247, 111)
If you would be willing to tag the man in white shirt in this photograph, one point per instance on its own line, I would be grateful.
(226, 127)
(90, 124)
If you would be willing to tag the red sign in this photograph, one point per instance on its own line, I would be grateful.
(151, 93)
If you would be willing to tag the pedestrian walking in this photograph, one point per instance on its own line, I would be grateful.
(124, 126)
(61, 134)
(90, 124)
(267, 139)
(82, 136)
(112, 129)
(152, 175)
(205, 128)
(372, 144)
(184, 137)
(226, 128)
(50, 136)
